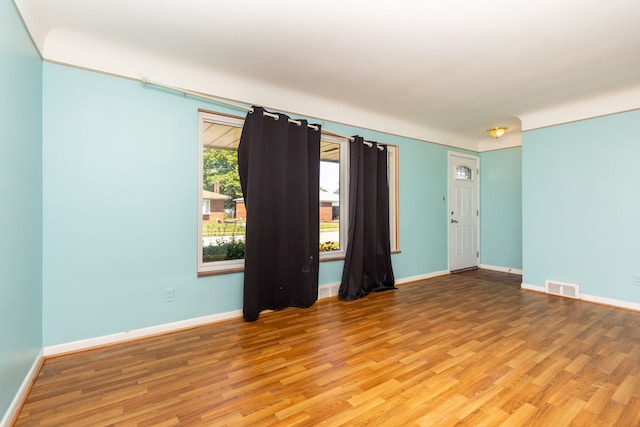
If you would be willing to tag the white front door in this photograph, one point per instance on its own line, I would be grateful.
(464, 211)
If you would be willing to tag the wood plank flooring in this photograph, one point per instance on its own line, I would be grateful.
(466, 349)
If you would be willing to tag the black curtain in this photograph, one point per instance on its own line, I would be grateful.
(279, 165)
(367, 266)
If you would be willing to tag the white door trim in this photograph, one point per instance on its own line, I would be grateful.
(476, 158)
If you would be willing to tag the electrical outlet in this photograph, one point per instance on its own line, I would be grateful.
(636, 280)
(169, 295)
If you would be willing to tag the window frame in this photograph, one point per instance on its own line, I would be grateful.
(237, 265)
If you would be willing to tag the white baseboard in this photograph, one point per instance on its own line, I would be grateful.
(532, 287)
(591, 298)
(332, 288)
(14, 407)
(501, 269)
(421, 277)
(138, 333)
(613, 302)
(325, 291)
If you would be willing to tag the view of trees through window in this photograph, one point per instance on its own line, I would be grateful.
(223, 212)
(223, 230)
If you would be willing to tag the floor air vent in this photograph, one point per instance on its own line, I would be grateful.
(563, 289)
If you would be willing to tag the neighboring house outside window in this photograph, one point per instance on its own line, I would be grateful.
(240, 209)
(329, 206)
(213, 207)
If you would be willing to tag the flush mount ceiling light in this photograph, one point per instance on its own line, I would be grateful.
(497, 132)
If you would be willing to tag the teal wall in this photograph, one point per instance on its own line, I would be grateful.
(581, 200)
(501, 208)
(21, 211)
(120, 208)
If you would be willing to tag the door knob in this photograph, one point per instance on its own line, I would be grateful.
(454, 221)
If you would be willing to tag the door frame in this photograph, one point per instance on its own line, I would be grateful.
(476, 158)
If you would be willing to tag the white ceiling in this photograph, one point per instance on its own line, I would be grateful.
(442, 71)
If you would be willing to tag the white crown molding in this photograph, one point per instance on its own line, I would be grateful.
(603, 105)
(68, 47)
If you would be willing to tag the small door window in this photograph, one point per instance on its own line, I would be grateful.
(463, 173)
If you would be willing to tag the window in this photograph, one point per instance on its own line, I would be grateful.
(222, 218)
(463, 173)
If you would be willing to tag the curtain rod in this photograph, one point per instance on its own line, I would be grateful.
(218, 100)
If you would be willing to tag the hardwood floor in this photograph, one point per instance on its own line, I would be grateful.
(465, 349)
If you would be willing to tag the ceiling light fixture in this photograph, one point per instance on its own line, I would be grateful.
(497, 132)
